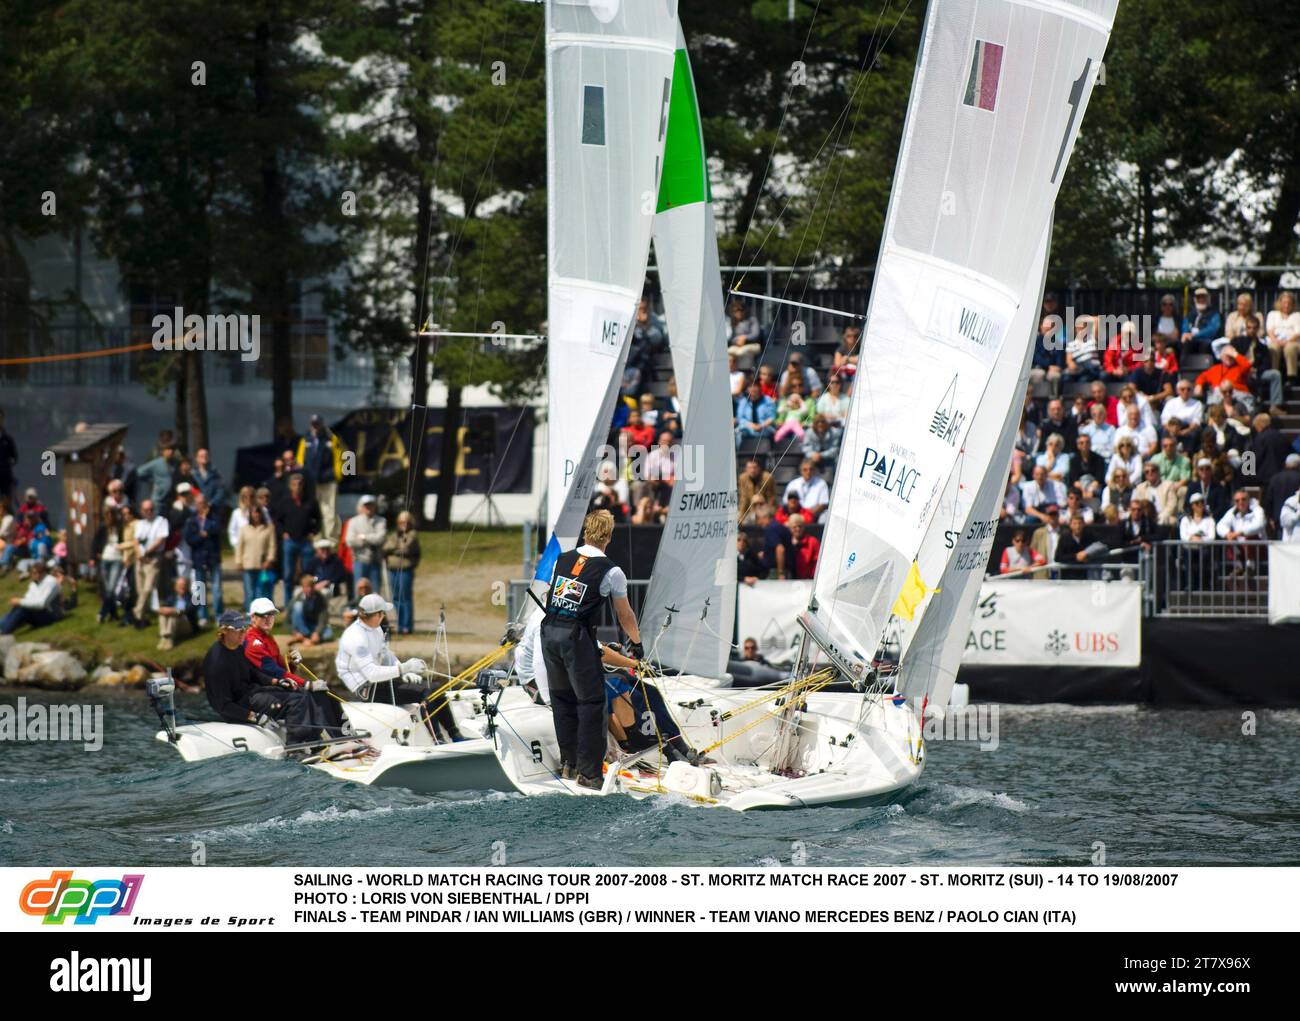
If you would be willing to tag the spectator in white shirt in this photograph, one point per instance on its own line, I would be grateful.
(1126, 456)
(814, 495)
(1183, 406)
(1039, 493)
(738, 378)
(151, 533)
(1289, 519)
(1283, 333)
(40, 604)
(1144, 437)
(1101, 432)
(1244, 520)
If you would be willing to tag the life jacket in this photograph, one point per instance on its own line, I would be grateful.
(575, 587)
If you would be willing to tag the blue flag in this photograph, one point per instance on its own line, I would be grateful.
(546, 562)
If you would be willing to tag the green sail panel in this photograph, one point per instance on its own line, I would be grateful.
(685, 176)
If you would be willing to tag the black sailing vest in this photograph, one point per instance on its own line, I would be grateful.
(575, 588)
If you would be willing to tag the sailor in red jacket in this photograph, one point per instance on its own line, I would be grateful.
(263, 652)
(261, 648)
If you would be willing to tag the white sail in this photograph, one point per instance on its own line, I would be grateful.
(956, 549)
(694, 579)
(609, 70)
(999, 95)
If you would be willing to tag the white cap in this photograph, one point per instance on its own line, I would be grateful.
(374, 603)
(323, 544)
(367, 499)
(183, 487)
(262, 605)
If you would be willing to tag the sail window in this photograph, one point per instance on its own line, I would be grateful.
(593, 115)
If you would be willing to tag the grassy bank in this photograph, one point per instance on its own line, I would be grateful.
(465, 571)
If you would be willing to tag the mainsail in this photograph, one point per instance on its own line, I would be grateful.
(956, 549)
(609, 69)
(996, 105)
(694, 579)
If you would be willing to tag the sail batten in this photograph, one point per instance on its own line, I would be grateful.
(997, 101)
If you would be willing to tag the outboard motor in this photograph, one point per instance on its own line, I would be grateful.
(161, 690)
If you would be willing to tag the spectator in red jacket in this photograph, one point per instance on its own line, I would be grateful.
(806, 548)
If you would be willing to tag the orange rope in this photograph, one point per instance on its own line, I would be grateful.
(79, 354)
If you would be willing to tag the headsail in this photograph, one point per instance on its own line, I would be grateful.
(609, 69)
(956, 549)
(996, 105)
(695, 568)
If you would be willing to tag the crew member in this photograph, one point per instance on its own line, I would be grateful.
(584, 578)
(369, 668)
(263, 652)
(638, 715)
(242, 694)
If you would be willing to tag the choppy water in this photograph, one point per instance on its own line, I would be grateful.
(1157, 787)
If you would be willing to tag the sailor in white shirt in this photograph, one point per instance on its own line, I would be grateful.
(1183, 406)
(814, 495)
(530, 668)
(369, 668)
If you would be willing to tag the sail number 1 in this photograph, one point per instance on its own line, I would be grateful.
(1076, 102)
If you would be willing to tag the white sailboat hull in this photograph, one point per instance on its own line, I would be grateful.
(406, 754)
(846, 750)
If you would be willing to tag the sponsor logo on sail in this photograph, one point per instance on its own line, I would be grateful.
(969, 326)
(608, 328)
(947, 421)
(892, 470)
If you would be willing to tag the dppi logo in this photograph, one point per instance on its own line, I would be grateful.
(61, 897)
(891, 474)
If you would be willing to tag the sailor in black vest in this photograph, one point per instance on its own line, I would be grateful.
(584, 578)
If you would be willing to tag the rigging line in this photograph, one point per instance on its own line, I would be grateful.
(428, 244)
(799, 304)
(862, 378)
(771, 152)
(863, 77)
(835, 126)
(451, 254)
(492, 484)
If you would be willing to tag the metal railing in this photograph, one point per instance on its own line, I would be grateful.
(1219, 578)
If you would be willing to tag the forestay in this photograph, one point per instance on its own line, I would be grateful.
(694, 579)
(609, 69)
(997, 101)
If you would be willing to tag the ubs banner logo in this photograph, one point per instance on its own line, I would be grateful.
(61, 897)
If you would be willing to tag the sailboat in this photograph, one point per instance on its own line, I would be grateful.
(609, 70)
(997, 101)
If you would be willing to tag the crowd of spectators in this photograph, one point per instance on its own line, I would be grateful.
(1166, 433)
(171, 530)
